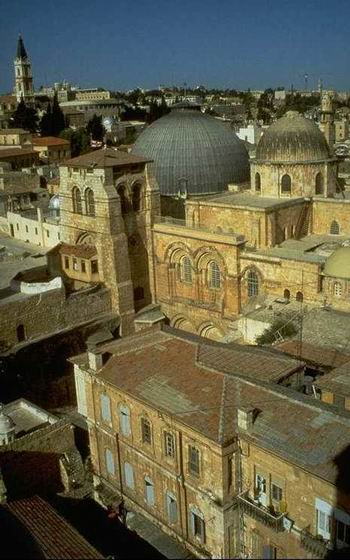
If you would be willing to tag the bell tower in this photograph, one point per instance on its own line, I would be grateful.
(23, 74)
(327, 118)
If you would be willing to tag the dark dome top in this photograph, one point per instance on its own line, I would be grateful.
(193, 152)
(293, 138)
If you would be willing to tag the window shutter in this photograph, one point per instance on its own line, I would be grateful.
(129, 475)
(192, 521)
(106, 408)
(81, 393)
(110, 462)
(149, 492)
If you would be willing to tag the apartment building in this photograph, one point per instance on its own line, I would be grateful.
(206, 442)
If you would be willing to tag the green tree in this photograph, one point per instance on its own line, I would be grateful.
(79, 140)
(45, 123)
(58, 120)
(95, 128)
(269, 334)
(25, 117)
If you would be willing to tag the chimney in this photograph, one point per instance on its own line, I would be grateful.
(246, 417)
(95, 359)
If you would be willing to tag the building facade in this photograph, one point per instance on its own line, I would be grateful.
(209, 456)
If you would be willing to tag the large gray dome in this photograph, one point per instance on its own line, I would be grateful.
(193, 152)
(292, 138)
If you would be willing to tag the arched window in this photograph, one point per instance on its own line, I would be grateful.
(337, 288)
(89, 202)
(136, 198)
(286, 294)
(21, 334)
(186, 269)
(124, 203)
(253, 283)
(257, 182)
(76, 198)
(319, 183)
(214, 275)
(299, 296)
(286, 184)
(334, 229)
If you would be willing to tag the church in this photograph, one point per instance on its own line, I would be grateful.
(187, 223)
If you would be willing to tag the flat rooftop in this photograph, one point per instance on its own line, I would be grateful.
(27, 416)
(249, 200)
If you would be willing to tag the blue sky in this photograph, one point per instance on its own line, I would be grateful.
(123, 44)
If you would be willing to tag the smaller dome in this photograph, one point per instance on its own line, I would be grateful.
(293, 138)
(7, 425)
(54, 203)
(338, 264)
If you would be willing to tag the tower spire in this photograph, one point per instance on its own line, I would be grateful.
(21, 51)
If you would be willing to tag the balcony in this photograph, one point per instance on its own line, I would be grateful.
(261, 513)
(316, 545)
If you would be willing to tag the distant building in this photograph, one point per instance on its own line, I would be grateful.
(251, 133)
(15, 137)
(51, 149)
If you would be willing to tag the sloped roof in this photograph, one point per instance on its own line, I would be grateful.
(21, 51)
(159, 368)
(54, 535)
(49, 141)
(83, 251)
(106, 157)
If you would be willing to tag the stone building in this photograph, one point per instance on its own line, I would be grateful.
(37, 452)
(193, 155)
(238, 249)
(108, 201)
(198, 438)
(51, 149)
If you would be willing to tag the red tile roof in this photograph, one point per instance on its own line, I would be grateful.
(316, 355)
(106, 157)
(82, 251)
(49, 141)
(55, 536)
(160, 369)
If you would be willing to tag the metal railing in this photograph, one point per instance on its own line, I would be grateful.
(261, 513)
(316, 545)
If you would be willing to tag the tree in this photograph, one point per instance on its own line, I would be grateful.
(268, 336)
(52, 122)
(25, 117)
(95, 128)
(45, 124)
(58, 121)
(79, 140)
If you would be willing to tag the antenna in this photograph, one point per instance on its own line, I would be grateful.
(306, 78)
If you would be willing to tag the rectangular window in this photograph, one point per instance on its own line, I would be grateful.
(47, 233)
(269, 551)
(124, 417)
(197, 525)
(171, 507)
(105, 408)
(149, 490)
(229, 472)
(36, 231)
(277, 493)
(75, 264)
(83, 266)
(110, 462)
(17, 226)
(323, 524)
(193, 460)
(146, 431)
(169, 444)
(27, 229)
(94, 267)
(129, 475)
(66, 262)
